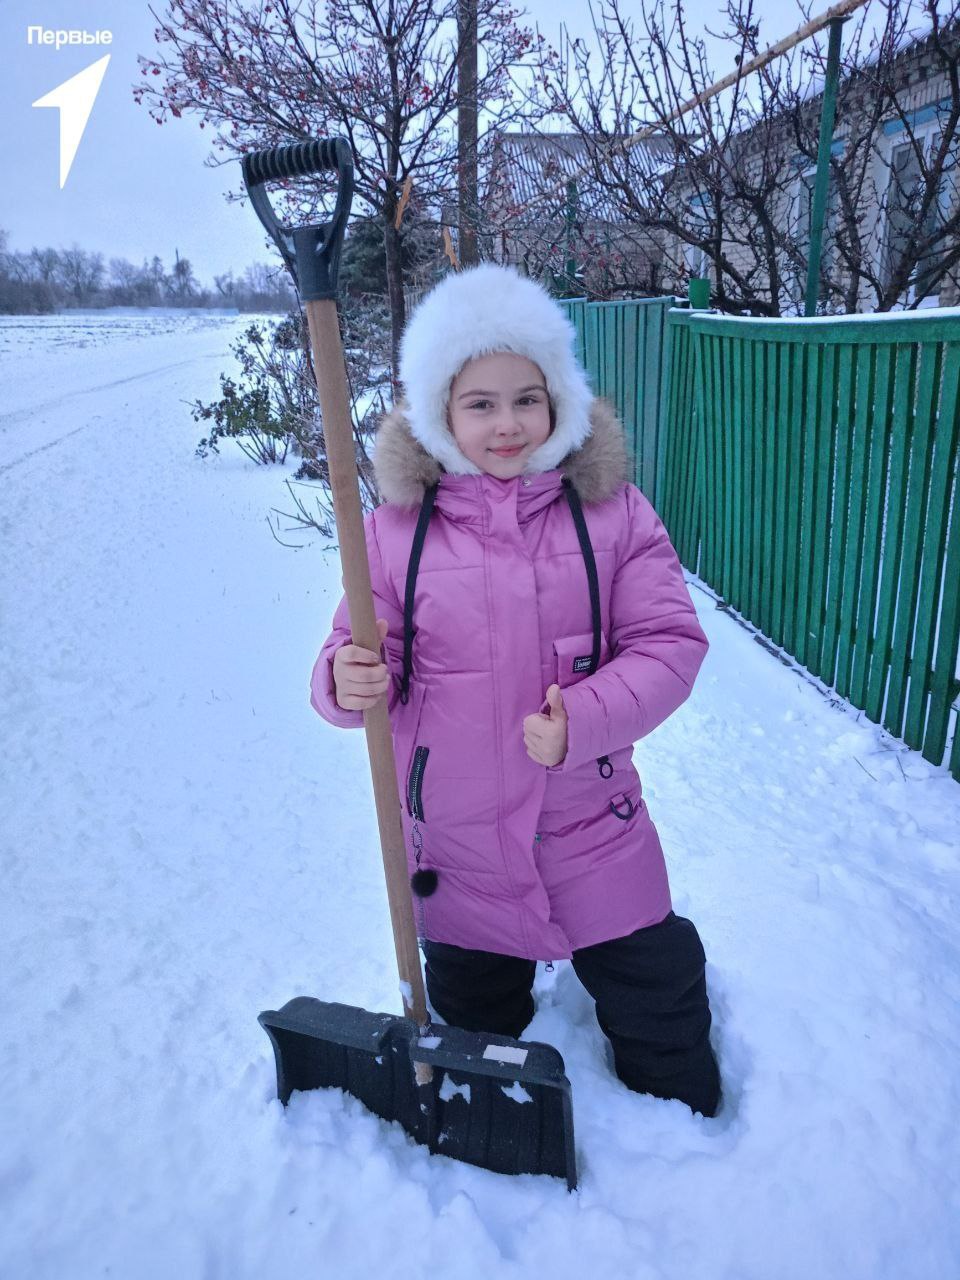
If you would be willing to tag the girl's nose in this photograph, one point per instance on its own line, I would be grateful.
(507, 423)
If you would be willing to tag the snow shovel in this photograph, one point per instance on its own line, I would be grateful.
(493, 1101)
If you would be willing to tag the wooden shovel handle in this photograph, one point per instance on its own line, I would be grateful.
(341, 457)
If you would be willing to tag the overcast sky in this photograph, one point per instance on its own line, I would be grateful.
(138, 189)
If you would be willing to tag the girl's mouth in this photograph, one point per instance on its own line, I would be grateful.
(507, 453)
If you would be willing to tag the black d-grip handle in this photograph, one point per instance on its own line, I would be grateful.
(297, 160)
(312, 253)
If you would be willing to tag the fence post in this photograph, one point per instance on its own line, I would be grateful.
(698, 294)
(818, 209)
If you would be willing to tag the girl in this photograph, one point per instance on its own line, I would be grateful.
(535, 623)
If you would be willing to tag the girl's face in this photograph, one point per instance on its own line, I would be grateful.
(499, 402)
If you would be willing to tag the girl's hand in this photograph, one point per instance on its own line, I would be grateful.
(361, 679)
(545, 736)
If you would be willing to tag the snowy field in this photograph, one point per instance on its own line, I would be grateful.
(185, 843)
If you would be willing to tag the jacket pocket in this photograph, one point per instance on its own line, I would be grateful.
(406, 721)
(598, 823)
(572, 656)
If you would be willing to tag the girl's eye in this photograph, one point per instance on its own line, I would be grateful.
(480, 404)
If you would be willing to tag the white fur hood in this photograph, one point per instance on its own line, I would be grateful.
(478, 312)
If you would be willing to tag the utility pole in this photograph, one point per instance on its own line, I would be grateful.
(467, 131)
(570, 218)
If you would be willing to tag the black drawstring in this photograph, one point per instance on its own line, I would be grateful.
(576, 510)
(426, 510)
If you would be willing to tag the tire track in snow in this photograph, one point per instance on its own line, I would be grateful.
(7, 421)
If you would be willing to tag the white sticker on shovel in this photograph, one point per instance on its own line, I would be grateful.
(503, 1053)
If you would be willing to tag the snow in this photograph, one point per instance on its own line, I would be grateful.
(853, 317)
(185, 843)
(450, 1090)
(517, 1092)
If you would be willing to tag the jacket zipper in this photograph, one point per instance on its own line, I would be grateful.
(415, 783)
(415, 810)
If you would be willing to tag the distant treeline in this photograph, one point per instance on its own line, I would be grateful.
(48, 280)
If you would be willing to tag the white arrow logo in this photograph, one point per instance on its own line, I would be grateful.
(75, 98)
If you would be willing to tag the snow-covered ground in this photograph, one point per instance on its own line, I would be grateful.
(185, 843)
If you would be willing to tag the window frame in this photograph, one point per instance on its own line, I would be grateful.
(700, 209)
(807, 169)
(927, 130)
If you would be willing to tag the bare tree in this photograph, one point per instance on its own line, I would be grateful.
(726, 189)
(895, 173)
(380, 72)
(123, 274)
(46, 263)
(183, 284)
(157, 279)
(708, 188)
(566, 231)
(81, 273)
(225, 285)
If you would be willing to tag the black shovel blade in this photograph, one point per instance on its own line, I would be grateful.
(496, 1102)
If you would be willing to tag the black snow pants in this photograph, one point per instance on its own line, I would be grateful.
(651, 1003)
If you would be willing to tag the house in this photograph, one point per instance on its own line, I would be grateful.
(541, 212)
(881, 145)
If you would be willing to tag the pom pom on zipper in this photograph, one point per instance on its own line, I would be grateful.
(424, 883)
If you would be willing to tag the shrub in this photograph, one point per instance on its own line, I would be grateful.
(263, 409)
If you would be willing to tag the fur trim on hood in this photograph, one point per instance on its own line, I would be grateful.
(478, 312)
(404, 469)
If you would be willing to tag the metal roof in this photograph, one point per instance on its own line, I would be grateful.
(526, 164)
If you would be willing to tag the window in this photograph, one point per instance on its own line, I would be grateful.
(800, 218)
(803, 198)
(699, 217)
(909, 164)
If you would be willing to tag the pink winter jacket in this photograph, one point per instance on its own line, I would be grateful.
(531, 861)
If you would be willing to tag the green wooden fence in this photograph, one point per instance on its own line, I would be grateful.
(623, 347)
(812, 479)
(808, 472)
